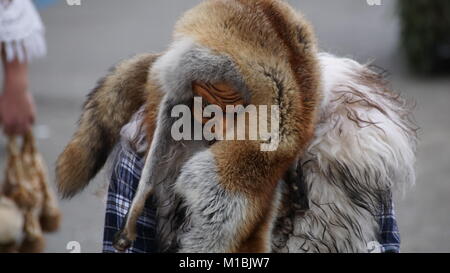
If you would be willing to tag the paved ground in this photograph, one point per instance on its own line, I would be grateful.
(84, 41)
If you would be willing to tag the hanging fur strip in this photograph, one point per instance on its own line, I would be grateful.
(21, 30)
(345, 140)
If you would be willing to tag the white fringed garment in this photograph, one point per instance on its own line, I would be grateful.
(21, 30)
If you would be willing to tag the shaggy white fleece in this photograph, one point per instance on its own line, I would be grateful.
(363, 150)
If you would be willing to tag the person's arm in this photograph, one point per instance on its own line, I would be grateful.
(17, 109)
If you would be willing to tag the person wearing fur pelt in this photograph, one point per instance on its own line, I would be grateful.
(345, 141)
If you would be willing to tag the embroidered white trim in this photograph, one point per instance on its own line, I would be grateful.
(21, 30)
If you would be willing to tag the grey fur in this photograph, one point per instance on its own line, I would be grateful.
(214, 213)
(196, 63)
(167, 156)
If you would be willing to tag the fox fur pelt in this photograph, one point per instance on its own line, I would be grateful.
(343, 134)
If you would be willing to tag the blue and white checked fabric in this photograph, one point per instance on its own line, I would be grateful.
(122, 188)
(124, 183)
(389, 233)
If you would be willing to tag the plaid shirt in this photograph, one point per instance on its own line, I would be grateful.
(124, 183)
(389, 233)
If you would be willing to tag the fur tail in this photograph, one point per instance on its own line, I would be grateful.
(110, 105)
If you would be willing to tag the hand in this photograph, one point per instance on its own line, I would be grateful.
(17, 111)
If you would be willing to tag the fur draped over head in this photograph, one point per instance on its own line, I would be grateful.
(341, 131)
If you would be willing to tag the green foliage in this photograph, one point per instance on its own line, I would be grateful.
(426, 34)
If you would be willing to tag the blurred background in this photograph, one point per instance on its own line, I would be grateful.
(84, 41)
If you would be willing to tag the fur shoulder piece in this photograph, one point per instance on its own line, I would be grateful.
(372, 124)
(363, 151)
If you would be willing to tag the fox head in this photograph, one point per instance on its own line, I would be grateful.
(260, 53)
(238, 52)
(250, 53)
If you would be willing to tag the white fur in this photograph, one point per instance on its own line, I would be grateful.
(361, 152)
(11, 222)
(389, 140)
(169, 62)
